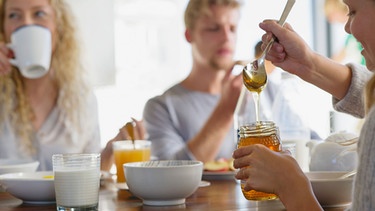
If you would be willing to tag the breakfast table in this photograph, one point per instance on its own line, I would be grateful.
(216, 195)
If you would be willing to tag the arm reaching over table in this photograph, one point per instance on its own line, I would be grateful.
(292, 54)
(274, 172)
(353, 89)
(136, 132)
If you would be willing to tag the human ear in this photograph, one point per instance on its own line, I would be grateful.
(188, 35)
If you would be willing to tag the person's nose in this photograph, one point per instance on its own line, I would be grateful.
(28, 20)
(227, 34)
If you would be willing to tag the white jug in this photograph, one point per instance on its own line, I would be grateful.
(336, 153)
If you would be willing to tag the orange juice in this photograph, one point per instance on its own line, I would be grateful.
(126, 152)
(266, 133)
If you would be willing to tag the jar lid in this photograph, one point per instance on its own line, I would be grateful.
(261, 128)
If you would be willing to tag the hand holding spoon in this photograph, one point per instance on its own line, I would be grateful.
(254, 74)
(130, 129)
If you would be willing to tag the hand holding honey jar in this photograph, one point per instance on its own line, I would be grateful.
(267, 134)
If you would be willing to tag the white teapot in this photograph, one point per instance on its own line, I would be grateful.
(336, 153)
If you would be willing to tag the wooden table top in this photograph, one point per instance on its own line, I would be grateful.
(219, 195)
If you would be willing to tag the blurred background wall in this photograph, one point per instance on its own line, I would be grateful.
(135, 49)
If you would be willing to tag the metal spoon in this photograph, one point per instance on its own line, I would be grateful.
(130, 129)
(347, 175)
(254, 74)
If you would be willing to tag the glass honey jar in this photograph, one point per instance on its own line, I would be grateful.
(262, 132)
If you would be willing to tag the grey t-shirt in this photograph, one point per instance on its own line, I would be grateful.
(175, 117)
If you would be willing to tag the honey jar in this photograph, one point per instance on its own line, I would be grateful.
(262, 132)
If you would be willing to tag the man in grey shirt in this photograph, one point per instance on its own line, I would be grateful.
(194, 118)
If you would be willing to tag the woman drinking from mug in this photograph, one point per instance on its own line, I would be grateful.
(57, 112)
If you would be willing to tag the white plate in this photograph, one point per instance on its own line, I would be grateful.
(122, 186)
(15, 165)
(106, 178)
(105, 175)
(204, 184)
(39, 202)
(30, 187)
(219, 175)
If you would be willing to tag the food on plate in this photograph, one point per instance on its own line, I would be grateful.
(221, 164)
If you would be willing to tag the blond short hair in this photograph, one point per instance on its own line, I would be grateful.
(196, 8)
(331, 6)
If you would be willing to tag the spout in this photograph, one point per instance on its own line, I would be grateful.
(311, 144)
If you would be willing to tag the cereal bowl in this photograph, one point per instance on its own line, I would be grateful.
(30, 187)
(329, 190)
(17, 165)
(161, 183)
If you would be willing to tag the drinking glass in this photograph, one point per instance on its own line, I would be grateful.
(130, 151)
(77, 181)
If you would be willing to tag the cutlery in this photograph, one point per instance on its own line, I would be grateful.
(349, 174)
(254, 74)
(130, 129)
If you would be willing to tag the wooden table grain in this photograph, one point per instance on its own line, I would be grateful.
(219, 195)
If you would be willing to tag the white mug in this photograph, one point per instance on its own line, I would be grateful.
(32, 47)
(298, 137)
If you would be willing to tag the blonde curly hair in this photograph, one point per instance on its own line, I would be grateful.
(196, 8)
(68, 77)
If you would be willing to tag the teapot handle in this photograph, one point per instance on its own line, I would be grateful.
(348, 142)
(349, 149)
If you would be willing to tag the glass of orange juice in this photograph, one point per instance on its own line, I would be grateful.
(130, 151)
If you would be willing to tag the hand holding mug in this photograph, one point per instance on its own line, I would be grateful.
(5, 54)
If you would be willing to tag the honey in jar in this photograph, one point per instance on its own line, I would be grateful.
(262, 132)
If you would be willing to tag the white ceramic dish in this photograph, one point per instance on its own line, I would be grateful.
(105, 177)
(14, 166)
(329, 190)
(32, 187)
(162, 183)
(124, 186)
(218, 175)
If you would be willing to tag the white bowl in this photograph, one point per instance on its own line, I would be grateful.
(32, 187)
(329, 190)
(161, 183)
(14, 166)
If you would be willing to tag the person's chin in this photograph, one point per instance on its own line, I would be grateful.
(370, 66)
(224, 63)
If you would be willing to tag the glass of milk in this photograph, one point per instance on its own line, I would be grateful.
(77, 181)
